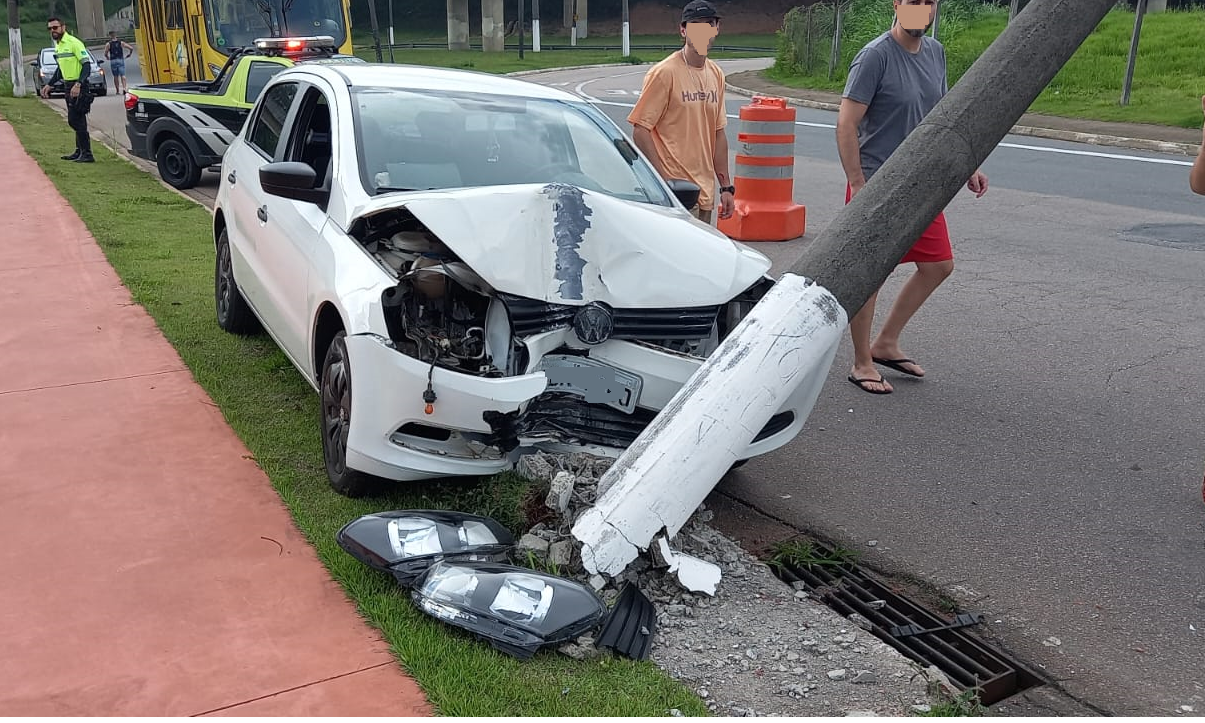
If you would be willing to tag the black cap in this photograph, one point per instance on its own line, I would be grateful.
(699, 10)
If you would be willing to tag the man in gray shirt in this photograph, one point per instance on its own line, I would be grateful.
(893, 84)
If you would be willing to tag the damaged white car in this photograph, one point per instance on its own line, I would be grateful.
(468, 267)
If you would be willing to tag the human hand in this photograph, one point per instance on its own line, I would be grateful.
(75, 91)
(45, 93)
(727, 205)
(854, 187)
(978, 184)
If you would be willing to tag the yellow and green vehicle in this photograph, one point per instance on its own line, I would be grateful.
(185, 127)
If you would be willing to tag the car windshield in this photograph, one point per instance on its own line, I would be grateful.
(417, 140)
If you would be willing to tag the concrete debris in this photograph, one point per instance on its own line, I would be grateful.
(1052, 642)
(727, 628)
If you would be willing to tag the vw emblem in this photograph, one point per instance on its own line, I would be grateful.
(594, 323)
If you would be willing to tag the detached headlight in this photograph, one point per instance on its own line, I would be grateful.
(517, 610)
(407, 542)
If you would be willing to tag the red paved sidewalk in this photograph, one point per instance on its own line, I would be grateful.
(142, 574)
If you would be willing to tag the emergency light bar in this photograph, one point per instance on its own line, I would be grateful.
(294, 45)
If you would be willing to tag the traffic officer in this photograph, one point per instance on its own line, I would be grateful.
(75, 66)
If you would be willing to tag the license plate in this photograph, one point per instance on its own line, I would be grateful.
(595, 382)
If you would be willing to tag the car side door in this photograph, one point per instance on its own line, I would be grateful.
(291, 246)
(247, 219)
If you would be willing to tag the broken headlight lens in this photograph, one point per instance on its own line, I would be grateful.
(517, 610)
(407, 542)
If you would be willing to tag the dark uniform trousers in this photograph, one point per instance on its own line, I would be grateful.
(77, 116)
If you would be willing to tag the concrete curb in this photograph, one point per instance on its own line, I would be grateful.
(1098, 139)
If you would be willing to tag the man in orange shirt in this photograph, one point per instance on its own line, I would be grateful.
(679, 121)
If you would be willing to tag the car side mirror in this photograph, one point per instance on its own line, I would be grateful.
(33, 63)
(291, 179)
(685, 191)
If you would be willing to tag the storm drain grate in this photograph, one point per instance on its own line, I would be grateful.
(912, 630)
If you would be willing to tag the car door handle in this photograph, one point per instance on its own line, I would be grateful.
(262, 212)
(230, 177)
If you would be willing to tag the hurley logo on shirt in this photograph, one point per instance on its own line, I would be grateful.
(700, 96)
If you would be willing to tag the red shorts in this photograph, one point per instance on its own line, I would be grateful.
(932, 246)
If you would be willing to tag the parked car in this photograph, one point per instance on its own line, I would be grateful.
(467, 267)
(45, 65)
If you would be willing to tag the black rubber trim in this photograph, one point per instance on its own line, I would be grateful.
(628, 629)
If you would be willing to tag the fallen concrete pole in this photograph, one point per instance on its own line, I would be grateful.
(670, 469)
(785, 346)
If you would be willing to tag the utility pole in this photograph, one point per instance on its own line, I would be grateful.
(786, 345)
(391, 59)
(1129, 80)
(521, 13)
(627, 33)
(376, 35)
(936, 18)
(15, 63)
(535, 26)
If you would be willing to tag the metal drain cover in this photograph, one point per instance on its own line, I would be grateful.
(968, 661)
(1171, 235)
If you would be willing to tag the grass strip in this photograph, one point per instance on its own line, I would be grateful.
(509, 61)
(161, 247)
(1166, 89)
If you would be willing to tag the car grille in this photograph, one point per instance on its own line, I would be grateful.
(572, 419)
(528, 316)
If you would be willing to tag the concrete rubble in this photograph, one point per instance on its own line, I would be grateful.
(747, 643)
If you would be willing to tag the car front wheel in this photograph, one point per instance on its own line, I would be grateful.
(233, 313)
(336, 424)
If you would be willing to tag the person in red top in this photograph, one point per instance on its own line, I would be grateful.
(679, 121)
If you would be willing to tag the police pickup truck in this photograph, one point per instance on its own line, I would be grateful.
(185, 128)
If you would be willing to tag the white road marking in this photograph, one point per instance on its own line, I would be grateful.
(1040, 149)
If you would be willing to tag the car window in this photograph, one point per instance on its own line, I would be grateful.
(411, 140)
(269, 121)
(258, 76)
(48, 57)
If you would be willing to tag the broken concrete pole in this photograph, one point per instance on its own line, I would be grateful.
(861, 247)
(784, 347)
(687, 448)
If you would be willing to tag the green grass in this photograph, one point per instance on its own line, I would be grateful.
(160, 245)
(1168, 80)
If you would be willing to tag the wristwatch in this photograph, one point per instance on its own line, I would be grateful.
(729, 189)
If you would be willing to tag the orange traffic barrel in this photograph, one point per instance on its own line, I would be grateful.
(764, 203)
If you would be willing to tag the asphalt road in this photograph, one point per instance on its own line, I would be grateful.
(1048, 470)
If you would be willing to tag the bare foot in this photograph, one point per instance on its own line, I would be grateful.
(869, 379)
(893, 357)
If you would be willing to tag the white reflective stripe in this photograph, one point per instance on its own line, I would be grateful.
(768, 128)
(773, 150)
(764, 172)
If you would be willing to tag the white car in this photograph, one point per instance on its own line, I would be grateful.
(468, 267)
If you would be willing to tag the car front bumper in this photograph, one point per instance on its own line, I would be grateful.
(392, 436)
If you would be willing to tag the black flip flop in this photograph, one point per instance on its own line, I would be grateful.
(859, 382)
(897, 364)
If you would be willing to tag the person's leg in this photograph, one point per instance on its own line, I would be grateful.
(934, 260)
(73, 123)
(77, 118)
(864, 373)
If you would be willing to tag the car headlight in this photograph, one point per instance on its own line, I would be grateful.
(407, 542)
(515, 609)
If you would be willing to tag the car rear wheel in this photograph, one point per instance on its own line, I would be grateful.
(176, 164)
(234, 315)
(336, 423)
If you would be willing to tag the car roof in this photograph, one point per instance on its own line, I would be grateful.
(426, 78)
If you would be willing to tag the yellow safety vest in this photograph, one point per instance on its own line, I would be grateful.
(71, 56)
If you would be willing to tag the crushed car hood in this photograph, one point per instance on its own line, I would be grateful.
(564, 245)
